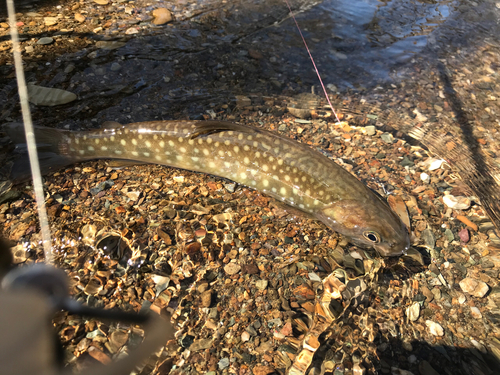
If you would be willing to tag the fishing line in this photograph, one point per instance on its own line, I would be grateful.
(312, 60)
(30, 135)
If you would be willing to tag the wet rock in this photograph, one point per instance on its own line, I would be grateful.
(477, 288)
(261, 284)
(206, 298)
(476, 314)
(99, 355)
(263, 370)
(101, 2)
(464, 235)
(49, 97)
(50, 21)
(161, 16)
(109, 44)
(79, 17)
(456, 203)
(45, 40)
(201, 344)
(434, 328)
(428, 238)
(425, 368)
(223, 363)
(232, 268)
(370, 130)
(413, 311)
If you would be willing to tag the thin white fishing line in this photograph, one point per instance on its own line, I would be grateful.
(312, 60)
(30, 134)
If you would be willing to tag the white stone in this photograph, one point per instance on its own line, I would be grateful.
(413, 311)
(434, 328)
(477, 288)
(456, 203)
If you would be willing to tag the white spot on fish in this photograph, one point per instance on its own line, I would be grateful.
(155, 137)
(246, 160)
(77, 140)
(196, 150)
(246, 148)
(265, 168)
(276, 177)
(146, 154)
(240, 136)
(112, 138)
(209, 140)
(182, 149)
(287, 178)
(221, 153)
(123, 142)
(308, 192)
(295, 191)
(195, 158)
(134, 141)
(171, 143)
(276, 150)
(158, 157)
(206, 152)
(227, 143)
(179, 157)
(321, 192)
(97, 141)
(148, 144)
(316, 202)
(81, 152)
(227, 164)
(271, 159)
(91, 148)
(301, 206)
(211, 164)
(135, 153)
(180, 139)
(84, 137)
(230, 132)
(254, 183)
(236, 149)
(265, 183)
(103, 148)
(243, 175)
(200, 141)
(249, 137)
(274, 190)
(162, 144)
(140, 136)
(191, 142)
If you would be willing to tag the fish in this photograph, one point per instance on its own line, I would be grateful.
(287, 170)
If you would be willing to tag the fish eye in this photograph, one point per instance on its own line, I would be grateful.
(371, 236)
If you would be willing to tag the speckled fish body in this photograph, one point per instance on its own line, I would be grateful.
(277, 166)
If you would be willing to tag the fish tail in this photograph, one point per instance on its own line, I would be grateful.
(52, 147)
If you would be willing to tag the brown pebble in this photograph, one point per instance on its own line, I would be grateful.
(206, 298)
(254, 54)
(99, 355)
(193, 248)
(263, 370)
(162, 16)
(464, 235)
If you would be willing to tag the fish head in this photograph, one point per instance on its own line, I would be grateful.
(372, 225)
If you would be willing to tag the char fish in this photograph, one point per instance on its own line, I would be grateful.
(282, 168)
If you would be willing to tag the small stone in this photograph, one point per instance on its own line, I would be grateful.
(232, 268)
(476, 314)
(456, 203)
(119, 338)
(50, 21)
(425, 368)
(464, 235)
(435, 164)
(206, 298)
(387, 138)
(201, 344)
(29, 49)
(161, 16)
(477, 288)
(131, 31)
(424, 177)
(45, 40)
(99, 355)
(263, 370)
(245, 336)
(428, 238)
(261, 284)
(434, 328)
(101, 2)
(370, 130)
(413, 311)
(115, 67)
(223, 363)
(133, 195)
(461, 299)
(79, 17)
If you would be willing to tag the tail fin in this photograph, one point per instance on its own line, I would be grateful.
(50, 144)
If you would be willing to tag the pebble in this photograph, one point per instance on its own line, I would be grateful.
(161, 16)
(428, 238)
(435, 164)
(223, 363)
(245, 336)
(261, 284)
(477, 288)
(370, 130)
(206, 298)
(50, 21)
(434, 328)
(263, 370)
(115, 67)
(476, 314)
(387, 138)
(49, 97)
(45, 40)
(464, 235)
(101, 2)
(425, 368)
(232, 268)
(201, 344)
(424, 177)
(456, 203)
(79, 17)
(413, 311)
